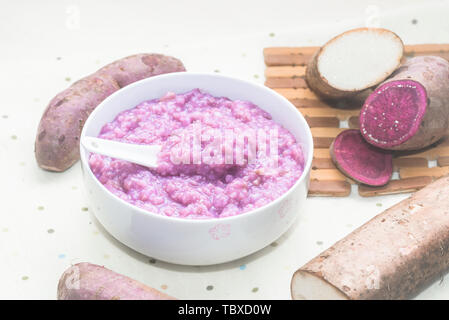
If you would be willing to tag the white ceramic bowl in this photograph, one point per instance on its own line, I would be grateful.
(186, 241)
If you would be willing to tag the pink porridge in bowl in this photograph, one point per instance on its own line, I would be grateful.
(219, 157)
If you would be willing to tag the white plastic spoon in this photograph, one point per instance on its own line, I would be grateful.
(145, 155)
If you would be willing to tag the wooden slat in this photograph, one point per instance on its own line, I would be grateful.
(326, 132)
(321, 153)
(285, 77)
(323, 137)
(434, 172)
(427, 48)
(441, 50)
(326, 122)
(341, 114)
(430, 153)
(288, 56)
(410, 163)
(329, 188)
(305, 94)
(444, 142)
(443, 161)
(299, 56)
(444, 55)
(395, 186)
(285, 83)
(306, 98)
(328, 175)
(285, 72)
(306, 103)
(289, 50)
(353, 122)
(322, 142)
(302, 98)
(322, 164)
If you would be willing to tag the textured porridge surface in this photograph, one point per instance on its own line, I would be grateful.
(209, 189)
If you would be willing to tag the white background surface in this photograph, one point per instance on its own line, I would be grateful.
(46, 45)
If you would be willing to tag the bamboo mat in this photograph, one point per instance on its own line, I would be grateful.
(285, 73)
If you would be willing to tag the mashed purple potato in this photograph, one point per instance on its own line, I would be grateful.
(205, 190)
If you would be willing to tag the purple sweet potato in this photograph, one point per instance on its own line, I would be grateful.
(57, 140)
(86, 281)
(361, 161)
(410, 110)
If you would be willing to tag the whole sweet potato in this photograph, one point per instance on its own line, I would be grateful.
(57, 140)
(393, 256)
(86, 281)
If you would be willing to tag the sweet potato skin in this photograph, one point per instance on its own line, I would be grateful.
(57, 139)
(393, 255)
(433, 73)
(86, 281)
(140, 66)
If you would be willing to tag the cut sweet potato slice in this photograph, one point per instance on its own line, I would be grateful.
(361, 161)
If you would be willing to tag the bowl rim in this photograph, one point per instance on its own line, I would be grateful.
(288, 104)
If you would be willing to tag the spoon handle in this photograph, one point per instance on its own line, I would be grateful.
(145, 155)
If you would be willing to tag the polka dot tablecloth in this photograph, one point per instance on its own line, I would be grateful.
(46, 223)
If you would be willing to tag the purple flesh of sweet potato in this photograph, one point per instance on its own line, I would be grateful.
(385, 125)
(361, 161)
